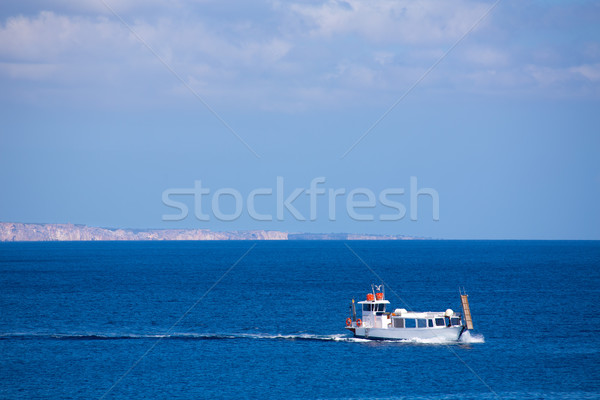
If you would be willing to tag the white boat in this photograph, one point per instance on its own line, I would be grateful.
(378, 323)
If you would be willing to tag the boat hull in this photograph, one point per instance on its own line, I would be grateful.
(445, 334)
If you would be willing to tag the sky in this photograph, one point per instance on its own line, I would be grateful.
(466, 119)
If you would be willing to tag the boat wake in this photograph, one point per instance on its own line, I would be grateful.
(177, 336)
(466, 337)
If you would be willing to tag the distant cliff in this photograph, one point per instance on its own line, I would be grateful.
(18, 232)
(345, 236)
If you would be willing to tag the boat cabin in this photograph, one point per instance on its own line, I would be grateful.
(374, 313)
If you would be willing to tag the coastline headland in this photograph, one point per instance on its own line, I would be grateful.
(25, 232)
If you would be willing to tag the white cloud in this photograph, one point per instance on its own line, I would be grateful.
(383, 57)
(356, 50)
(550, 76)
(50, 37)
(589, 71)
(487, 56)
(29, 71)
(394, 21)
(96, 7)
(96, 51)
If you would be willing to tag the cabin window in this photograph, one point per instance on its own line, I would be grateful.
(440, 322)
(455, 321)
(398, 322)
(421, 323)
(430, 323)
(374, 307)
(410, 323)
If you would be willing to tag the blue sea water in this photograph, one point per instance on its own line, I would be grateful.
(265, 320)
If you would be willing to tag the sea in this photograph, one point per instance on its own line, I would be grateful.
(266, 320)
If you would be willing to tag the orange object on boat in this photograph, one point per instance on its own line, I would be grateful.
(379, 296)
(370, 297)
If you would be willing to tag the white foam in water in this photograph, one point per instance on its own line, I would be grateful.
(436, 340)
(302, 336)
(468, 338)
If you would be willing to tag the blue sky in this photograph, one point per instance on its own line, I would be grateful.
(94, 126)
